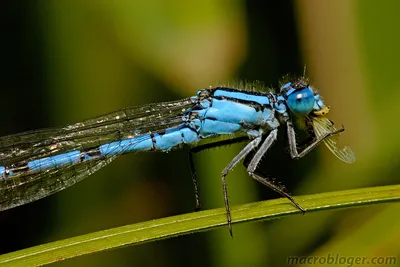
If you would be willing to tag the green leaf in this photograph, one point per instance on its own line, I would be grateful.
(194, 222)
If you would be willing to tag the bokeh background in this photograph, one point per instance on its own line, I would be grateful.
(63, 61)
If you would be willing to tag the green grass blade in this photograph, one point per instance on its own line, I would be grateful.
(193, 222)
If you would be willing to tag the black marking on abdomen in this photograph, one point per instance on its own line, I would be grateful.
(154, 142)
(16, 168)
(92, 152)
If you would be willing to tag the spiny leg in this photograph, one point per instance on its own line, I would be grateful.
(252, 166)
(245, 151)
(280, 189)
(271, 138)
(194, 181)
(205, 147)
(292, 141)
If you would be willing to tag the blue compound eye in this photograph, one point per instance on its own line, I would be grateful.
(301, 102)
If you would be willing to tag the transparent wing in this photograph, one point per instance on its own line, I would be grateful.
(20, 148)
(32, 186)
(121, 124)
(323, 125)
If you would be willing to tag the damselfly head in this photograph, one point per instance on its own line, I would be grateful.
(303, 100)
(299, 96)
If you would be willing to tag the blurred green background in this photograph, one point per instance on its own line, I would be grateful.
(63, 61)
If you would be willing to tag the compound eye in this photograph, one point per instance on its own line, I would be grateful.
(301, 101)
